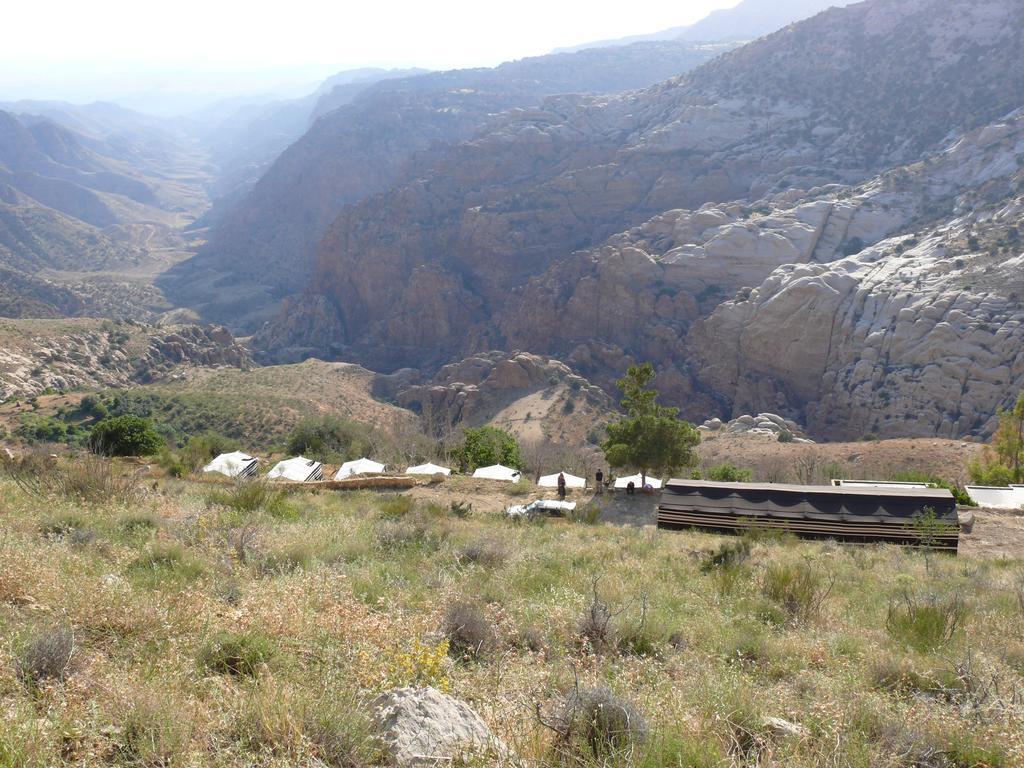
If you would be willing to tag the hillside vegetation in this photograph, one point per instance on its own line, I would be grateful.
(163, 623)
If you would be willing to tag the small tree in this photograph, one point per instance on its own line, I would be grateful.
(484, 446)
(652, 438)
(125, 436)
(1003, 461)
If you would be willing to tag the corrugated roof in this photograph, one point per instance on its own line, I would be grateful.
(856, 514)
(835, 490)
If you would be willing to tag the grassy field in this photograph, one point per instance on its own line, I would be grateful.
(171, 623)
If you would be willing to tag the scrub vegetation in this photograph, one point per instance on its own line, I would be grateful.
(184, 624)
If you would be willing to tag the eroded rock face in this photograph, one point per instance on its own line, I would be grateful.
(834, 99)
(472, 391)
(644, 289)
(124, 355)
(763, 424)
(929, 341)
(424, 727)
(390, 133)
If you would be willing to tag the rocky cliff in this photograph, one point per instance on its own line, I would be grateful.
(65, 355)
(833, 99)
(265, 246)
(637, 296)
(482, 250)
(537, 398)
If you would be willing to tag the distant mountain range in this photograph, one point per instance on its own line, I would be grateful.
(478, 248)
(86, 190)
(367, 146)
(822, 223)
(748, 20)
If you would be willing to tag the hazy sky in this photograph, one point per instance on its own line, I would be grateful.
(123, 49)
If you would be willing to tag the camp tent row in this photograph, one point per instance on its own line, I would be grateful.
(302, 470)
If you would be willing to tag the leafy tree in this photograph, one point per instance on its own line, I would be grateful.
(729, 473)
(484, 446)
(652, 438)
(1003, 461)
(125, 436)
(329, 437)
(92, 406)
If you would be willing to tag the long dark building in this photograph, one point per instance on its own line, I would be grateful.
(847, 514)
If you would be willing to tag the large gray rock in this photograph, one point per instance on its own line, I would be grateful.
(424, 727)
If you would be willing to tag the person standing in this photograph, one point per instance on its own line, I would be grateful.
(600, 481)
(561, 486)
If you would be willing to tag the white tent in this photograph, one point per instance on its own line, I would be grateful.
(428, 469)
(498, 472)
(571, 481)
(362, 466)
(637, 481)
(994, 497)
(300, 469)
(237, 465)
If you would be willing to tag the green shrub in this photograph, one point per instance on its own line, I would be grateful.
(785, 436)
(93, 407)
(138, 523)
(586, 514)
(521, 487)
(728, 473)
(295, 557)
(484, 446)
(153, 733)
(329, 438)
(469, 631)
(798, 589)
(966, 751)
(729, 554)
(639, 638)
(46, 429)
(236, 654)
(49, 654)
(599, 721)
(925, 622)
(250, 497)
(395, 507)
(125, 436)
(166, 561)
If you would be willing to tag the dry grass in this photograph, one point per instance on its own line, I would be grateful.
(188, 649)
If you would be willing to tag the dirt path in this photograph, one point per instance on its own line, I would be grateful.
(995, 535)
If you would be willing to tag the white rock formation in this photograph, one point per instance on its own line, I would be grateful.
(424, 727)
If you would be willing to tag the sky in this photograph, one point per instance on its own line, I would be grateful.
(189, 50)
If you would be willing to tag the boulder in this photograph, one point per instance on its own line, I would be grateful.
(784, 729)
(424, 727)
